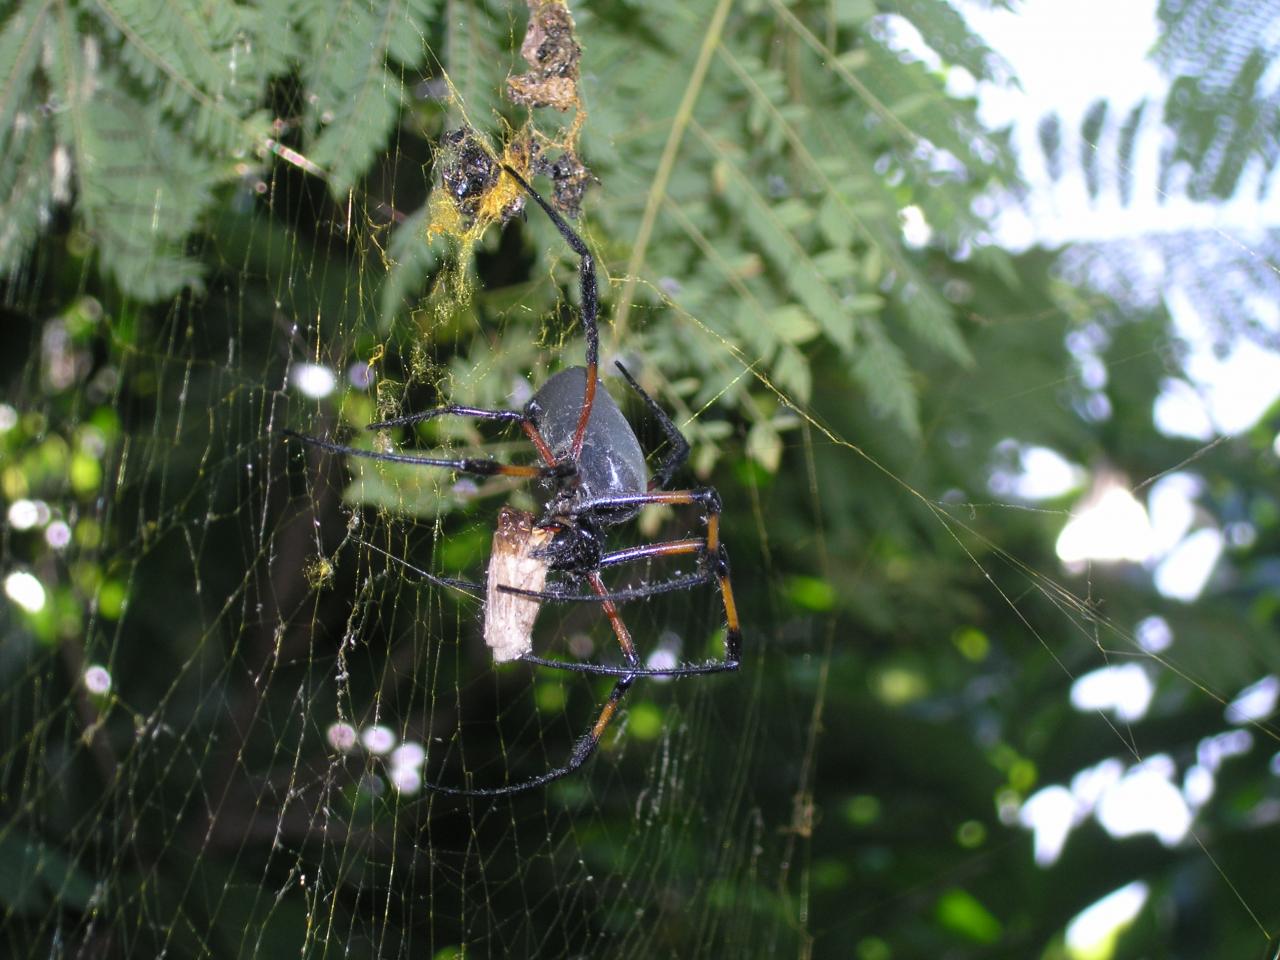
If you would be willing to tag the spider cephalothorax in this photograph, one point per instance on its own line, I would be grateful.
(598, 478)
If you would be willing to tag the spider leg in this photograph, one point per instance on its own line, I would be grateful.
(715, 554)
(615, 620)
(476, 413)
(679, 445)
(473, 465)
(590, 307)
(668, 548)
(453, 409)
(477, 590)
(715, 570)
(628, 555)
(616, 596)
(606, 670)
(582, 752)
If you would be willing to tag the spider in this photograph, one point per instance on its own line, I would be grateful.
(595, 470)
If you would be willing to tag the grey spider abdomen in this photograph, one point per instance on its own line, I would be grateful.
(612, 462)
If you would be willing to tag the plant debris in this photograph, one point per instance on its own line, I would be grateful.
(570, 179)
(514, 562)
(553, 53)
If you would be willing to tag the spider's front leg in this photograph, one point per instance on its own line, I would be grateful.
(478, 413)
(476, 466)
(590, 307)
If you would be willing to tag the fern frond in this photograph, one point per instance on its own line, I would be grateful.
(140, 187)
(945, 30)
(1091, 128)
(882, 371)
(20, 42)
(188, 55)
(26, 191)
(795, 268)
(353, 76)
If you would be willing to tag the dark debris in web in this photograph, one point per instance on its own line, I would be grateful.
(569, 177)
(473, 192)
(469, 173)
(553, 53)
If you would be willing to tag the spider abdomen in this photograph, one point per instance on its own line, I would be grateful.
(612, 462)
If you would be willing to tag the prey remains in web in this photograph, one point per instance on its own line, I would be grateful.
(594, 472)
(517, 573)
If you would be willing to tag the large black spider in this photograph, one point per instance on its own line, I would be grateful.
(598, 478)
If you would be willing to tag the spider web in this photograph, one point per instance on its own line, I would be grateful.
(283, 673)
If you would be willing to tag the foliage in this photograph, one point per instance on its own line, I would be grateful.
(774, 183)
(135, 113)
(1212, 140)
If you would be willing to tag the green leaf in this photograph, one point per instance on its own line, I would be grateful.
(793, 264)
(20, 43)
(836, 264)
(35, 876)
(764, 445)
(881, 369)
(358, 55)
(141, 186)
(962, 913)
(850, 13)
(865, 303)
(26, 191)
(793, 324)
(944, 29)
(811, 593)
(929, 319)
(156, 105)
(791, 372)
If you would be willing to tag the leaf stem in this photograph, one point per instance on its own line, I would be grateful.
(662, 177)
